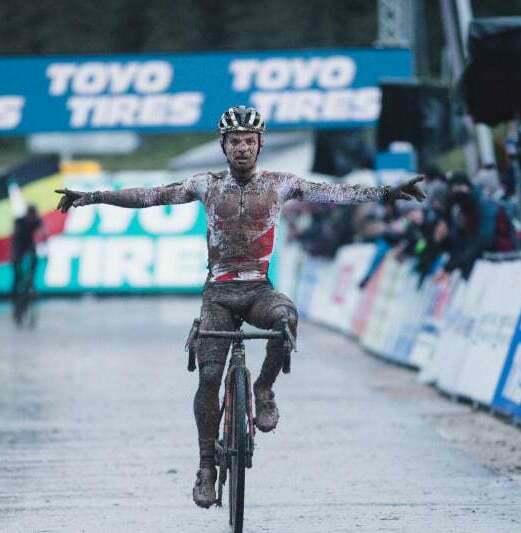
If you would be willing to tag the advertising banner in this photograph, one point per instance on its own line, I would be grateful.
(406, 322)
(491, 336)
(438, 297)
(107, 249)
(361, 318)
(382, 309)
(351, 265)
(328, 290)
(312, 272)
(176, 92)
(453, 348)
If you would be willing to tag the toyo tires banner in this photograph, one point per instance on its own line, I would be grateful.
(152, 93)
(108, 249)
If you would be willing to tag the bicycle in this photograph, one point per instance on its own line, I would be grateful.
(24, 295)
(234, 451)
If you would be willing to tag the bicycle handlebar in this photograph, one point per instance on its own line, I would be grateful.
(196, 333)
(289, 341)
(239, 335)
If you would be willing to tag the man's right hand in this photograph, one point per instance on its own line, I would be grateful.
(72, 198)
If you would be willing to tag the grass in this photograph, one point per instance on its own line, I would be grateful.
(12, 151)
(154, 153)
(455, 159)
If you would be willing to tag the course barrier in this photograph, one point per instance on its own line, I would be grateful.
(463, 336)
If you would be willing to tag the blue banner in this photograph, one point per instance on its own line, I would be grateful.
(166, 92)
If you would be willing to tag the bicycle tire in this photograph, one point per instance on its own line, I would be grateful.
(31, 312)
(236, 484)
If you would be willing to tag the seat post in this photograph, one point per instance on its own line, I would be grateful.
(237, 322)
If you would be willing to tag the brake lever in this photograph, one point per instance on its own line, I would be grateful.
(194, 332)
(289, 337)
(189, 346)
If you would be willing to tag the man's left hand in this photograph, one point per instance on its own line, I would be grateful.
(408, 190)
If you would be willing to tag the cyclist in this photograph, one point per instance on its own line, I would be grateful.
(243, 205)
(23, 245)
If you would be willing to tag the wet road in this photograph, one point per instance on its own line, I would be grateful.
(97, 434)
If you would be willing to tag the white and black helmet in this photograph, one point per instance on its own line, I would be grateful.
(241, 118)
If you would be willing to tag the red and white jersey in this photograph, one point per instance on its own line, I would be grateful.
(242, 215)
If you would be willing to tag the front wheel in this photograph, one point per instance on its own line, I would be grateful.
(239, 446)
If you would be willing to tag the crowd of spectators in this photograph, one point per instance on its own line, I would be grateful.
(459, 221)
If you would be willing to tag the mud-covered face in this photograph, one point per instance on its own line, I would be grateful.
(241, 149)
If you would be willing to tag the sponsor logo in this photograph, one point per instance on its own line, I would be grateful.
(174, 92)
(316, 89)
(108, 247)
(114, 262)
(11, 108)
(122, 94)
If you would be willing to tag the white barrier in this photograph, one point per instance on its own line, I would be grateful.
(312, 273)
(438, 298)
(491, 333)
(334, 300)
(289, 266)
(455, 339)
(457, 333)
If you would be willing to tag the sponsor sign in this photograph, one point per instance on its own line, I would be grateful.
(454, 346)
(494, 326)
(104, 248)
(151, 93)
(438, 297)
(351, 265)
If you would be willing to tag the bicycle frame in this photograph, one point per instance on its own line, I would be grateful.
(224, 448)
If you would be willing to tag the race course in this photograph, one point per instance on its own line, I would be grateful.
(97, 434)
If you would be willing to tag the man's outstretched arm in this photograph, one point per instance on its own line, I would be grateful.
(175, 193)
(343, 193)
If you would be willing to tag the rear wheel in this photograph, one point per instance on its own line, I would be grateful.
(238, 443)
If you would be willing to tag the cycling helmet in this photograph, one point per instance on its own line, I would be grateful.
(241, 118)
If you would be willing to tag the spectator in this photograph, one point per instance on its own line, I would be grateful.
(435, 231)
(477, 224)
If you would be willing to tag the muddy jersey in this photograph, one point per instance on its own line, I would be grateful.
(242, 216)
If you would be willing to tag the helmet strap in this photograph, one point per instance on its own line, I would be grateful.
(261, 143)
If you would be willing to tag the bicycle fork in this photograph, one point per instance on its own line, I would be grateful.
(223, 449)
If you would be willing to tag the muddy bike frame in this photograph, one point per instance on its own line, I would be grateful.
(234, 451)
